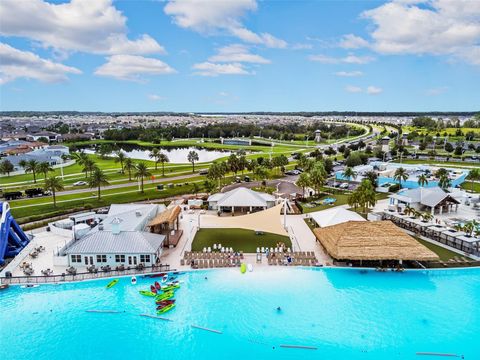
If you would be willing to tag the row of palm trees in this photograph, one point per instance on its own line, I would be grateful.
(425, 216)
(471, 227)
(35, 167)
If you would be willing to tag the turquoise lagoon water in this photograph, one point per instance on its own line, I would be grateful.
(344, 313)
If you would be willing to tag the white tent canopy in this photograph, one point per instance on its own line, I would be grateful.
(334, 216)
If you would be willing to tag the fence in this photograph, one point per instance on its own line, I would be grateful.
(52, 279)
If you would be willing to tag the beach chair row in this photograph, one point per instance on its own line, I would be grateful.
(197, 255)
(295, 254)
(293, 262)
(212, 263)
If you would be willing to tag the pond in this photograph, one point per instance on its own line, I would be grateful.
(176, 155)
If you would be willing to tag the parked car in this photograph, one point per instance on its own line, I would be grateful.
(12, 195)
(34, 192)
(344, 186)
(80, 183)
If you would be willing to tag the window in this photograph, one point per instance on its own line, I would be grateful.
(76, 258)
(120, 258)
(101, 258)
(144, 258)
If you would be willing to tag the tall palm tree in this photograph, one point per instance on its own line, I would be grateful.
(317, 176)
(422, 180)
(6, 167)
(303, 181)
(129, 165)
(473, 175)
(444, 182)
(32, 166)
(192, 157)
(88, 166)
(22, 163)
(162, 159)
(215, 172)
(155, 154)
(400, 175)
(79, 157)
(120, 158)
(45, 167)
(349, 173)
(98, 179)
(53, 184)
(209, 186)
(141, 172)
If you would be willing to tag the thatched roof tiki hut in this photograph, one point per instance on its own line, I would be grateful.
(371, 241)
(167, 223)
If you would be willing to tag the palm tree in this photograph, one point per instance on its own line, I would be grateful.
(209, 186)
(192, 157)
(79, 157)
(53, 184)
(372, 176)
(409, 210)
(32, 166)
(120, 158)
(260, 173)
(195, 188)
(349, 173)
(141, 172)
(162, 158)
(441, 172)
(215, 172)
(473, 175)
(155, 154)
(129, 165)
(303, 181)
(98, 179)
(426, 216)
(88, 166)
(317, 176)
(422, 180)
(6, 167)
(45, 167)
(444, 182)
(400, 175)
(22, 163)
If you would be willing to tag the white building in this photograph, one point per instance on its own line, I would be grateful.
(334, 216)
(240, 199)
(435, 200)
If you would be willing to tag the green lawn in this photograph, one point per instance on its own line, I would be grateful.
(468, 186)
(239, 239)
(342, 199)
(443, 253)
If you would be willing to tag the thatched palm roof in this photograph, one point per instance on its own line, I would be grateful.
(168, 216)
(371, 240)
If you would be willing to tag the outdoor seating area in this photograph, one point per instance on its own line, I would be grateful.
(27, 268)
(204, 260)
(295, 258)
(36, 251)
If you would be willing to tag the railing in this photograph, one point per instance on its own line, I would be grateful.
(51, 279)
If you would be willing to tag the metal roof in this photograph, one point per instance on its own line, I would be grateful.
(126, 242)
(242, 196)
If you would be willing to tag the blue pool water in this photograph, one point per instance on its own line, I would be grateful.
(345, 313)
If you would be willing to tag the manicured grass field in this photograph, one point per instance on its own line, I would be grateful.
(443, 254)
(239, 239)
(468, 186)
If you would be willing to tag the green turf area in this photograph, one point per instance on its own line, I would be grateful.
(342, 199)
(468, 186)
(443, 254)
(238, 239)
(461, 164)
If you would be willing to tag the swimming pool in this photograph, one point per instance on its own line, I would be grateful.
(344, 313)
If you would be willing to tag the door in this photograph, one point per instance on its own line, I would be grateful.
(91, 260)
(129, 260)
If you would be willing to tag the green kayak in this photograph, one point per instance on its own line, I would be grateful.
(166, 309)
(112, 283)
(165, 296)
(170, 288)
(147, 293)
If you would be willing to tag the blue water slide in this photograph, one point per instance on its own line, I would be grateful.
(12, 237)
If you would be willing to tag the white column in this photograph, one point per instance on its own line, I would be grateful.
(433, 210)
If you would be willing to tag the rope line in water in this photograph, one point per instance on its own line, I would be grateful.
(206, 329)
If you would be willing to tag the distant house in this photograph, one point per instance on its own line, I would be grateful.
(75, 137)
(434, 200)
(240, 199)
(120, 239)
(49, 135)
(51, 154)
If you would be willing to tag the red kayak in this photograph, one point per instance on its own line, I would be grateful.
(160, 307)
(165, 302)
(157, 285)
(153, 289)
(158, 275)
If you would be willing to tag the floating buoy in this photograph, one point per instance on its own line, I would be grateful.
(250, 267)
(243, 268)
(133, 280)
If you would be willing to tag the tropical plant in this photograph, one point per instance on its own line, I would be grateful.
(400, 175)
(192, 157)
(473, 175)
(45, 167)
(195, 188)
(426, 216)
(22, 163)
(409, 210)
(260, 173)
(441, 172)
(303, 181)
(366, 195)
(141, 172)
(444, 182)
(129, 165)
(372, 176)
(209, 186)
(32, 166)
(6, 167)
(162, 159)
(242, 163)
(120, 158)
(317, 175)
(215, 172)
(98, 179)
(53, 184)
(422, 180)
(89, 166)
(233, 163)
(155, 154)
(349, 173)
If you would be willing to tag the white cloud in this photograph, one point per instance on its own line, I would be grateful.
(436, 91)
(15, 64)
(351, 41)
(155, 97)
(373, 90)
(438, 27)
(348, 73)
(237, 53)
(349, 59)
(218, 17)
(212, 69)
(353, 89)
(301, 46)
(132, 67)
(94, 26)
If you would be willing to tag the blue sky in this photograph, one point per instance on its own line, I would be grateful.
(240, 55)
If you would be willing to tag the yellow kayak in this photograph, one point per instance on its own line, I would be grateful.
(112, 283)
(243, 268)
